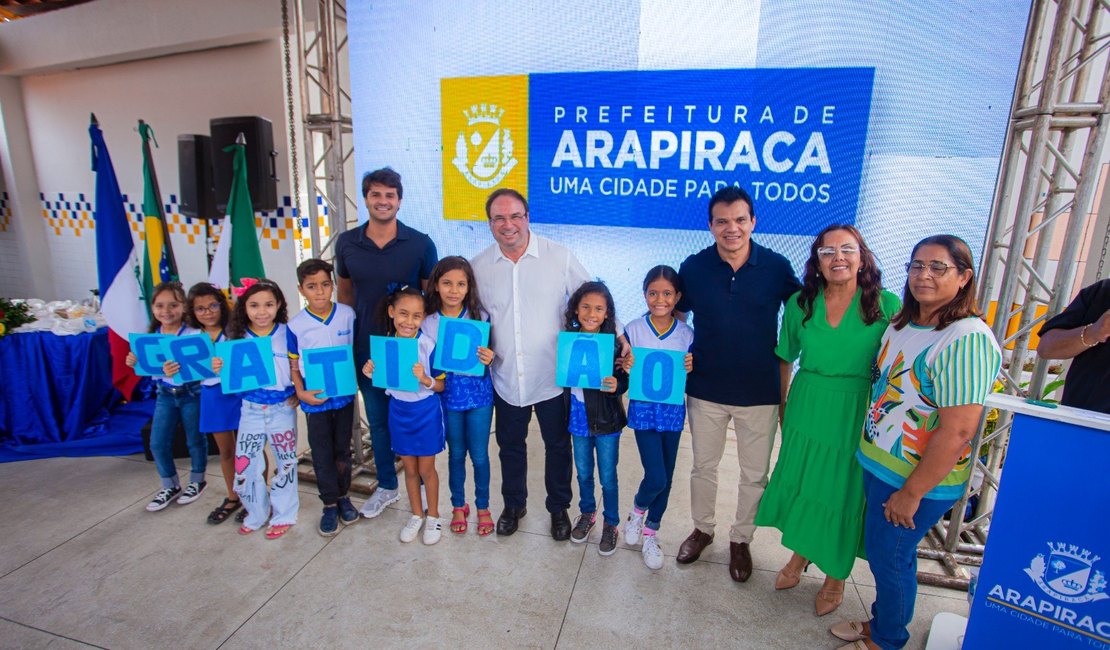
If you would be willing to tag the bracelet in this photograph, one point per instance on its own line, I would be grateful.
(1083, 339)
(433, 386)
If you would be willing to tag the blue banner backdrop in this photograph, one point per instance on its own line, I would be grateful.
(648, 149)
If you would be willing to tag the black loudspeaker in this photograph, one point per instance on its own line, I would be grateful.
(194, 170)
(261, 159)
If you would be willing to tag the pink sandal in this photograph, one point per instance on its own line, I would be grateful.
(459, 526)
(274, 532)
(243, 530)
(486, 526)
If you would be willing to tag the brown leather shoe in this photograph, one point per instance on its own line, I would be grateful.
(692, 547)
(740, 564)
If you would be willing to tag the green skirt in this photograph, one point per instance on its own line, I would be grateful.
(815, 494)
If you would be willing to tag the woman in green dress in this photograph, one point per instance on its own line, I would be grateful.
(833, 327)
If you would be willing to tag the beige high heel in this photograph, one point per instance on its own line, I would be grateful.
(787, 579)
(828, 600)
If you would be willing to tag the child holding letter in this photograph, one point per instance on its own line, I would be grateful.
(268, 414)
(657, 426)
(467, 399)
(177, 402)
(596, 418)
(415, 418)
(207, 310)
(330, 420)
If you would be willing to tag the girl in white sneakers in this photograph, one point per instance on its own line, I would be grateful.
(416, 424)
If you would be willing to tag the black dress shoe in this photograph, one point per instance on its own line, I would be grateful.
(509, 520)
(560, 526)
(740, 561)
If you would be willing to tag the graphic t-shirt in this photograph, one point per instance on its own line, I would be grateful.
(921, 370)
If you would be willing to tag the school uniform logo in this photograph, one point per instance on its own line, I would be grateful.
(1068, 574)
(485, 141)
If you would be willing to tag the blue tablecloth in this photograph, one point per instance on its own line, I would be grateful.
(56, 398)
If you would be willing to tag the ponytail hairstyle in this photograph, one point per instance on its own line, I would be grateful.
(394, 293)
(178, 292)
(202, 289)
(664, 272)
(472, 303)
(237, 326)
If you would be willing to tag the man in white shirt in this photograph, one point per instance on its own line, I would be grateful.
(524, 281)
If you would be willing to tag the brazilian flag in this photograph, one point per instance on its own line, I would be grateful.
(159, 264)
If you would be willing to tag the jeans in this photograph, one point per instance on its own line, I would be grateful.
(377, 417)
(658, 451)
(258, 424)
(608, 451)
(468, 432)
(511, 429)
(892, 554)
(329, 437)
(178, 404)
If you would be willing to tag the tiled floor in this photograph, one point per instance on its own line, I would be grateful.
(83, 564)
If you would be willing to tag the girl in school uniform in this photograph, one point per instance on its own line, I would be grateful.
(467, 399)
(657, 426)
(415, 417)
(177, 402)
(268, 415)
(595, 419)
(207, 310)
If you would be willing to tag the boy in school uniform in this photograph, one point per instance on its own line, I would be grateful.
(330, 421)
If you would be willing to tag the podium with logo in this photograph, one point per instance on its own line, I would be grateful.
(1043, 583)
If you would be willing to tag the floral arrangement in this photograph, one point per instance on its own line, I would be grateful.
(13, 314)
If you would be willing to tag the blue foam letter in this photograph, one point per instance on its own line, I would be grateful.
(193, 353)
(149, 354)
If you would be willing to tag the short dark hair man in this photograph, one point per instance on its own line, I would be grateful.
(525, 281)
(735, 289)
(368, 258)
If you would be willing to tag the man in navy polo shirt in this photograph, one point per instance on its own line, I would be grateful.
(368, 258)
(735, 289)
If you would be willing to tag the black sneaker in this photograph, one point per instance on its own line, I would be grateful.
(608, 544)
(348, 514)
(582, 527)
(164, 498)
(192, 492)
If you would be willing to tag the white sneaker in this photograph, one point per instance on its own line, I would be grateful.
(652, 554)
(412, 527)
(433, 530)
(634, 528)
(378, 501)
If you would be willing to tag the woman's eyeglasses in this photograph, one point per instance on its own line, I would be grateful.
(936, 268)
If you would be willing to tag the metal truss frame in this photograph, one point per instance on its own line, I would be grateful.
(317, 35)
(1049, 171)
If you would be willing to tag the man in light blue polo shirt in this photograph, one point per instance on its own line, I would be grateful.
(735, 289)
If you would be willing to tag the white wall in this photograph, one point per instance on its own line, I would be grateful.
(175, 94)
(175, 65)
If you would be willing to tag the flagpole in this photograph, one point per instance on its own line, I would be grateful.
(147, 155)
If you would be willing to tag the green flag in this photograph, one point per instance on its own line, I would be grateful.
(237, 255)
